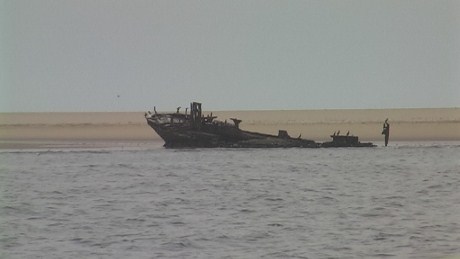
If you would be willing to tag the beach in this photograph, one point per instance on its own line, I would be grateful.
(116, 129)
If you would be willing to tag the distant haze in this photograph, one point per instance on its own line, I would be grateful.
(112, 55)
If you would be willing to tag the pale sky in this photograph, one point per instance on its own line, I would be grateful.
(111, 55)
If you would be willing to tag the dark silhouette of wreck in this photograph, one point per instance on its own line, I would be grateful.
(194, 130)
(345, 141)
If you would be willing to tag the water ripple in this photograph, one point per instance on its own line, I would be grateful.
(399, 202)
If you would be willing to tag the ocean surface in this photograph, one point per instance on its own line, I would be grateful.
(402, 201)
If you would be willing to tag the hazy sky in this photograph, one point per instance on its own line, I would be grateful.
(109, 55)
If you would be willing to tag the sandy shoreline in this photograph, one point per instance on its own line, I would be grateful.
(26, 130)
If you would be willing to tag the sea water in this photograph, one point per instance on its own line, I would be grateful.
(402, 201)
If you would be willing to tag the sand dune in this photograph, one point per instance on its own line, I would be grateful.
(406, 125)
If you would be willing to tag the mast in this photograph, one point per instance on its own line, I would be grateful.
(195, 113)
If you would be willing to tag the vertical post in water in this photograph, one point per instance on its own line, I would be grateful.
(386, 131)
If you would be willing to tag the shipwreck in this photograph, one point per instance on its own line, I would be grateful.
(184, 130)
(195, 130)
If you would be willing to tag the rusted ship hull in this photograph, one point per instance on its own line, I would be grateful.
(183, 130)
(193, 130)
